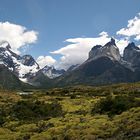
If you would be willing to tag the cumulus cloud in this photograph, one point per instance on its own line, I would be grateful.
(132, 29)
(45, 60)
(17, 35)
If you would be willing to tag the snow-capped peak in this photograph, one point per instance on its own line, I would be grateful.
(20, 65)
(4, 44)
(111, 42)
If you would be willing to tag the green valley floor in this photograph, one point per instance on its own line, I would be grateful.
(71, 113)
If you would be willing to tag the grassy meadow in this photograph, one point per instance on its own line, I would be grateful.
(71, 113)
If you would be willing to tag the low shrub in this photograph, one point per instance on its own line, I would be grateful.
(29, 110)
(113, 105)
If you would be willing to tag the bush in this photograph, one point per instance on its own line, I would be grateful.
(2, 116)
(73, 96)
(29, 110)
(2, 120)
(114, 105)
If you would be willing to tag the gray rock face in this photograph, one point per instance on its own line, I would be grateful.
(73, 67)
(5, 56)
(109, 50)
(28, 60)
(132, 55)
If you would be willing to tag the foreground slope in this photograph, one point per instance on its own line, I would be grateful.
(79, 112)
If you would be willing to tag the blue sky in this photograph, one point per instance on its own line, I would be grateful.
(58, 20)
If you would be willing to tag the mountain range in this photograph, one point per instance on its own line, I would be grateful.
(104, 65)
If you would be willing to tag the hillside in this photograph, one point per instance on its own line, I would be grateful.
(8, 80)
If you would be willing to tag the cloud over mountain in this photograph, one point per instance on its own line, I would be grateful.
(77, 51)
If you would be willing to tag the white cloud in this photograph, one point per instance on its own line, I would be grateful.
(77, 51)
(132, 29)
(17, 35)
(121, 44)
(105, 34)
(45, 60)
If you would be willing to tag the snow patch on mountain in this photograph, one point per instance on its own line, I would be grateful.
(25, 66)
(23, 69)
(15, 63)
(4, 44)
(51, 72)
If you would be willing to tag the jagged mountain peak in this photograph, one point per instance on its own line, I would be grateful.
(96, 47)
(20, 66)
(111, 42)
(109, 50)
(132, 54)
(5, 44)
(28, 60)
(132, 46)
(6, 55)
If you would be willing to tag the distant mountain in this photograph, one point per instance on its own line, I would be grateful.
(104, 66)
(109, 50)
(40, 80)
(25, 67)
(132, 55)
(73, 67)
(19, 65)
(9, 81)
(51, 72)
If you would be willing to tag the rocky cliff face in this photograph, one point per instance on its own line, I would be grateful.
(132, 55)
(28, 60)
(109, 50)
(6, 55)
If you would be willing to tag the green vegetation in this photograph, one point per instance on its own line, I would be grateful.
(113, 105)
(32, 110)
(72, 113)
